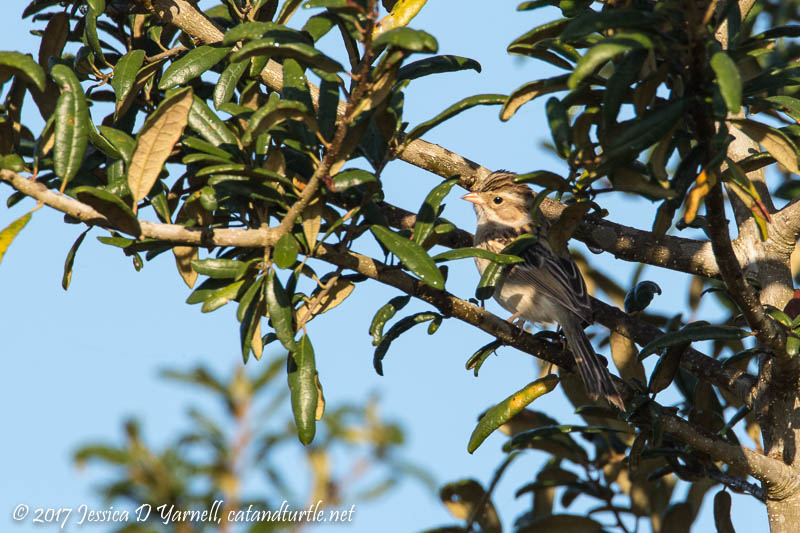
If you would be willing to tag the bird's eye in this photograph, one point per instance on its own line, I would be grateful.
(497, 200)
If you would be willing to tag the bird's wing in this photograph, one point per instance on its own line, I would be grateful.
(557, 277)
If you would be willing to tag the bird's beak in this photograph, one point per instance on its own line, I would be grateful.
(472, 197)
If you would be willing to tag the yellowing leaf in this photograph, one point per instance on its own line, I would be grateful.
(701, 188)
(774, 141)
(183, 260)
(401, 14)
(156, 139)
(11, 231)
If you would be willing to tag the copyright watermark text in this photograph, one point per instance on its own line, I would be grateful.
(170, 514)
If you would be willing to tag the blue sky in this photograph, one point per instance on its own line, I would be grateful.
(76, 363)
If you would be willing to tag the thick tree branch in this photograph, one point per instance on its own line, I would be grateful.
(780, 481)
(704, 367)
(767, 331)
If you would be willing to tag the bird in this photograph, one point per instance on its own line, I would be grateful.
(545, 287)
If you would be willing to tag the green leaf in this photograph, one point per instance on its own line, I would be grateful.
(412, 255)
(453, 110)
(280, 311)
(559, 126)
(722, 512)
(352, 178)
(400, 327)
(529, 91)
(72, 124)
(208, 124)
(692, 333)
(24, 65)
(494, 272)
(604, 51)
(66, 279)
(729, 79)
(545, 31)
(436, 65)
(302, 52)
(192, 65)
(640, 296)
(285, 252)
(408, 40)
(385, 313)
(111, 206)
(122, 142)
(96, 8)
(222, 296)
(598, 22)
(475, 362)
(430, 209)
(10, 232)
(253, 290)
(256, 30)
(666, 368)
(637, 134)
(220, 268)
(545, 179)
(302, 371)
(462, 253)
(226, 84)
(501, 413)
(626, 72)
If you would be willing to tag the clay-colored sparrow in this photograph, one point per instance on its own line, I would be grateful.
(546, 287)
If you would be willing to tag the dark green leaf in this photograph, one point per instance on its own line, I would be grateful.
(192, 65)
(352, 178)
(430, 209)
(411, 254)
(691, 334)
(72, 124)
(436, 65)
(407, 39)
(730, 82)
(529, 91)
(475, 362)
(559, 126)
(66, 279)
(302, 371)
(226, 84)
(385, 313)
(604, 51)
(280, 311)
(220, 268)
(302, 52)
(597, 22)
(461, 253)
(286, 251)
(24, 65)
(400, 327)
(453, 110)
(208, 124)
(640, 296)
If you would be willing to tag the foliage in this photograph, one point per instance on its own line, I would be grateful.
(267, 168)
(238, 459)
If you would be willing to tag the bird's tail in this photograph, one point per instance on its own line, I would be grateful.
(594, 373)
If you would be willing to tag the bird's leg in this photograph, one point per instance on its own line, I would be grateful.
(517, 321)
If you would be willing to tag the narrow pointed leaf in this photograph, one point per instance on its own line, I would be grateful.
(10, 232)
(430, 209)
(111, 206)
(226, 84)
(385, 313)
(691, 334)
(604, 51)
(461, 253)
(400, 327)
(453, 110)
(280, 311)
(72, 123)
(125, 72)
(411, 254)
(192, 65)
(24, 65)
(66, 279)
(209, 125)
(773, 140)
(301, 368)
(501, 413)
(529, 91)
(436, 65)
(400, 15)
(729, 79)
(407, 39)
